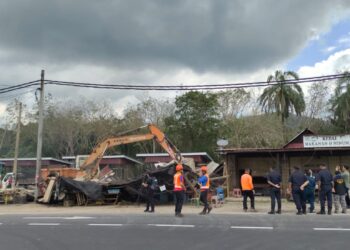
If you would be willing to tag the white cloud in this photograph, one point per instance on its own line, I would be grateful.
(119, 99)
(344, 40)
(329, 49)
(335, 63)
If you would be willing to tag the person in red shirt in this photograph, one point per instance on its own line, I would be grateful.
(247, 190)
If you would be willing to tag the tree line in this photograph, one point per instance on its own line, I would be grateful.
(193, 121)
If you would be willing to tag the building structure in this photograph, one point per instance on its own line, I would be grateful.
(26, 167)
(156, 159)
(306, 150)
(124, 166)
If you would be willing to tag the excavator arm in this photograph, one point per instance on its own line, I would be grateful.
(165, 143)
(91, 164)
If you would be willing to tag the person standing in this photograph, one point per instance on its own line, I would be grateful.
(345, 175)
(297, 183)
(274, 180)
(149, 184)
(339, 192)
(179, 190)
(325, 183)
(204, 183)
(247, 190)
(310, 190)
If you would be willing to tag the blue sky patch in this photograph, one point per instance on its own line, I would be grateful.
(337, 39)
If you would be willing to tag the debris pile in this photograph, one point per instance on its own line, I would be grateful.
(108, 190)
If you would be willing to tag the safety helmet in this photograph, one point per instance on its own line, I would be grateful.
(179, 167)
(204, 168)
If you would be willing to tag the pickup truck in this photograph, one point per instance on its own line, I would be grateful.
(22, 180)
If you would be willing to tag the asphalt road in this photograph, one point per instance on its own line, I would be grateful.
(152, 231)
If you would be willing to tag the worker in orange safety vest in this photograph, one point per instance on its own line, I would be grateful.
(179, 190)
(247, 190)
(204, 184)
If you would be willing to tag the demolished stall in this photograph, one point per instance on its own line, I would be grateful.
(124, 167)
(73, 192)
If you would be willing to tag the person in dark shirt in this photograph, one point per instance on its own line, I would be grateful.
(339, 192)
(325, 184)
(345, 175)
(149, 185)
(297, 183)
(310, 190)
(274, 180)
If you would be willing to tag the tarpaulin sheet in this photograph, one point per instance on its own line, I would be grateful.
(91, 189)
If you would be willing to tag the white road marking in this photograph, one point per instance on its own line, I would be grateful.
(170, 225)
(330, 229)
(79, 218)
(245, 227)
(41, 218)
(43, 224)
(59, 218)
(106, 225)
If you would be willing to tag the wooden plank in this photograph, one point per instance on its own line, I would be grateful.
(218, 178)
(48, 192)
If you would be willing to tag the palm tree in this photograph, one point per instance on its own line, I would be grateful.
(281, 97)
(340, 103)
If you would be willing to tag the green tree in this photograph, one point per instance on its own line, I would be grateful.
(317, 105)
(340, 103)
(194, 126)
(281, 97)
(233, 103)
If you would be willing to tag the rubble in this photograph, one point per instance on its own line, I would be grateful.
(16, 196)
(108, 190)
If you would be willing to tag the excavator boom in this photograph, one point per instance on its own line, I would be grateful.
(101, 148)
(165, 143)
(91, 164)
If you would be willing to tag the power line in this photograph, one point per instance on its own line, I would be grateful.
(19, 86)
(197, 87)
(176, 87)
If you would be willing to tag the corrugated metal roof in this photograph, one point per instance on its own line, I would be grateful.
(291, 142)
(189, 154)
(34, 159)
(280, 150)
(106, 157)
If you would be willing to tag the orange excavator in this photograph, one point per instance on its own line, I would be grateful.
(90, 168)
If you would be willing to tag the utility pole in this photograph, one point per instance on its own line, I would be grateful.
(40, 136)
(14, 177)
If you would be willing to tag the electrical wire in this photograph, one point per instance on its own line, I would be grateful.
(19, 86)
(197, 87)
(177, 87)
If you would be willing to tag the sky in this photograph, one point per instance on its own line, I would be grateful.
(166, 42)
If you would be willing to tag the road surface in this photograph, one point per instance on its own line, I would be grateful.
(154, 231)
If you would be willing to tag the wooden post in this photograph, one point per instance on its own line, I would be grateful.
(14, 177)
(40, 136)
(226, 174)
